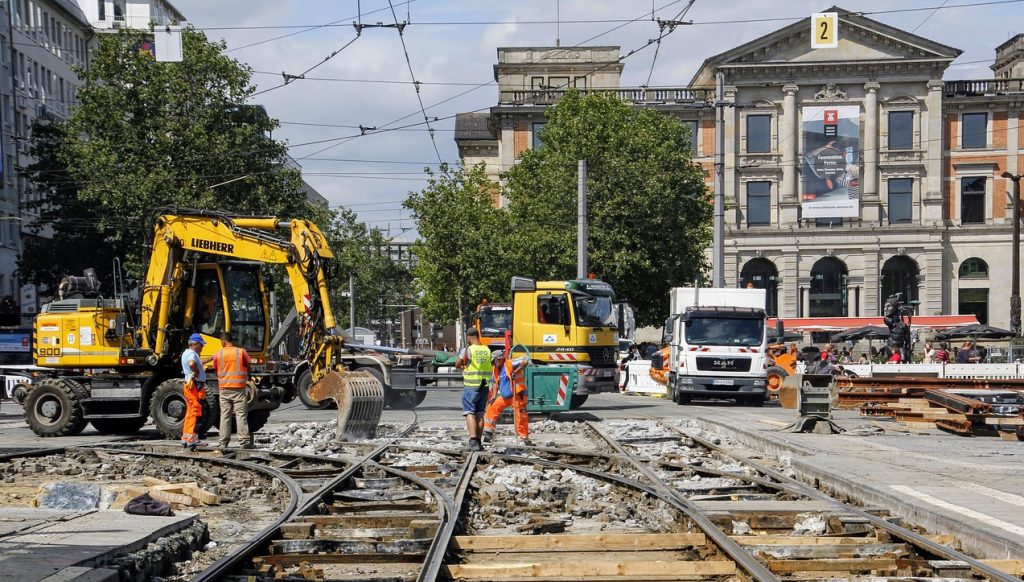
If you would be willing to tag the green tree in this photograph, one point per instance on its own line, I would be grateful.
(64, 240)
(148, 135)
(649, 213)
(460, 254)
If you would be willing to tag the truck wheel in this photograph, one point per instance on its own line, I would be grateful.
(118, 426)
(168, 409)
(52, 409)
(302, 388)
(578, 401)
(403, 399)
(775, 376)
(682, 398)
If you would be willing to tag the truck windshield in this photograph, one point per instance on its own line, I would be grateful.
(724, 331)
(593, 311)
(495, 322)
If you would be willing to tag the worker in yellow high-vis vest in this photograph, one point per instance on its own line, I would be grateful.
(475, 363)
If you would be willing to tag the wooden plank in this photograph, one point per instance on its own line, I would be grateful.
(175, 498)
(802, 541)
(1015, 567)
(571, 543)
(837, 565)
(193, 490)
(153, 482)
(679, 570)
(832, 552)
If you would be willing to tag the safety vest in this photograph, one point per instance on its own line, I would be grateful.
(517, 378)
(478, 369)
(232, 368)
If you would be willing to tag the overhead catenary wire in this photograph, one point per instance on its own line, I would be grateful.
(412, 75)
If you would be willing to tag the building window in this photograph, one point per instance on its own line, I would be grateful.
(974, 268)
(558, 83)
(537, 127)
(759, 203)
(693, 127)
(901, 130)
(974, 302)
(901, 200)
(102, 9)
(828, 288)
(759, 133)
(900, 275)
(580, 83)
(972, 200)
(762, 274)
(829, 222)
(537, 83)
(975, 130)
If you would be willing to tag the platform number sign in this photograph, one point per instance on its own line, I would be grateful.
(825, 30)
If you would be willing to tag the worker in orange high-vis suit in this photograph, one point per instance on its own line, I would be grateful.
(232, 365)
(194, 391)
(509, 389)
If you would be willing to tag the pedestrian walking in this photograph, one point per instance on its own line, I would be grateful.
(509, 390)
(194, 391)
(475, 363)
(232, 365)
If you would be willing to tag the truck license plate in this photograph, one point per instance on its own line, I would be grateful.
(722, 382)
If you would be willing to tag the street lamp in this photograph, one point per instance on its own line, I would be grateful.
(1015, 256)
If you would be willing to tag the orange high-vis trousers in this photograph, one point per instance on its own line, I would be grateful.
(500, 403)
(194, 396)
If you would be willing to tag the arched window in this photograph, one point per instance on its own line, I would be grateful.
(974, 268)
(762, 274)
(973, 300)
(828, 288)
(900, 275)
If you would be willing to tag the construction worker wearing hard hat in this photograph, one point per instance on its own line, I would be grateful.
(509, 389)
(194, 391)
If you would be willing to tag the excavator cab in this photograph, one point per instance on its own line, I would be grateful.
(230, 296)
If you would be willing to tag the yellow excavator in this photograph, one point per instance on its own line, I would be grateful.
(114, 362)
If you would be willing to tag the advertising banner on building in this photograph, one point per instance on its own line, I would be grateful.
(831, 161)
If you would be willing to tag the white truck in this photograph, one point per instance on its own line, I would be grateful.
(718, 339)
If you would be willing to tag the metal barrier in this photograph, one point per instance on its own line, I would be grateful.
(638, 379)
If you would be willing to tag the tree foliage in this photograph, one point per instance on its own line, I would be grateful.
(460, 252)
(64, 240)
(148, 135)
(649, 213)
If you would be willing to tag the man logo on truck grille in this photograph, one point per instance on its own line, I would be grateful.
(209, 245)
(724, 363)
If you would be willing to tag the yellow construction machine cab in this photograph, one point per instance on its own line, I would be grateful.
(565, 321)
(92, 332)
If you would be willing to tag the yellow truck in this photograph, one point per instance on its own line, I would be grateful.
(568, 323)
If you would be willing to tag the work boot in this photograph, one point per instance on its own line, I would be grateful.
(474, 445)
(192, 446)
(488, 436)
(526, 442)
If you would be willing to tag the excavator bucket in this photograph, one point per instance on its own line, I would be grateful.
(360, 398)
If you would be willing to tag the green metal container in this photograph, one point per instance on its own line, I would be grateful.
(549, 388)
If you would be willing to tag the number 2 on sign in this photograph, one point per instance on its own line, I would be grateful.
(825, 30)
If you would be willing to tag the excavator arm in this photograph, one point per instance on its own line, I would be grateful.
(303, 254)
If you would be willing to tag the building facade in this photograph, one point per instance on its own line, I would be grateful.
(851, 173)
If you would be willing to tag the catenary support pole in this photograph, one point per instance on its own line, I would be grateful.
(718, 240)
(352, 302)
(581, 223)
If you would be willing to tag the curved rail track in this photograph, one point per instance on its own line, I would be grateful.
(397, 510)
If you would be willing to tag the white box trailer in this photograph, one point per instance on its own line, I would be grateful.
(718, 339)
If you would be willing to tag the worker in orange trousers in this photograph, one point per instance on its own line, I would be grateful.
(194, 391)
(508, 389)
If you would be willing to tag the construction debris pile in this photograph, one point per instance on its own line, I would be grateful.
(529, 499)
(964, 407)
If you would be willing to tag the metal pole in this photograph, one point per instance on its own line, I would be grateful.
(1015, 258)
(352, 302)
(718, 242)
(581, 222)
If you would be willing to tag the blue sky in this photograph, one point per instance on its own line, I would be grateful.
(373, 173)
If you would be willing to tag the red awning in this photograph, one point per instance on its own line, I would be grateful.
(931, 322)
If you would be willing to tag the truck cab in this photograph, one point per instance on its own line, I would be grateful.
(568, 323)
(493, 320)
(717, 340)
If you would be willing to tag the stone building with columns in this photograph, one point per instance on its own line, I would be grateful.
(931, 217)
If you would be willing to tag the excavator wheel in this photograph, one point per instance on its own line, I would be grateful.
(360, 398)
(168, 409)
(302, 386)
(52, 408)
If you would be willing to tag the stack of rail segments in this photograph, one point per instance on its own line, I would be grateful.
(964, 407)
